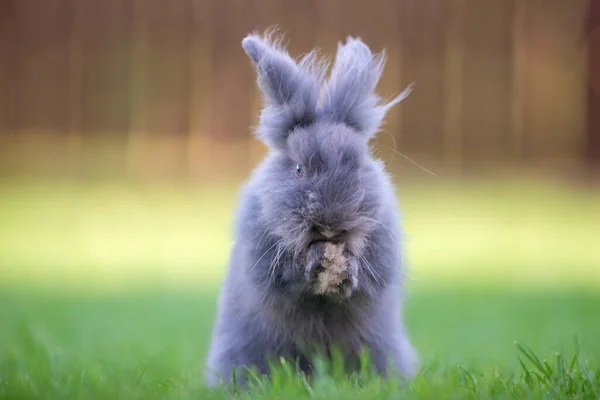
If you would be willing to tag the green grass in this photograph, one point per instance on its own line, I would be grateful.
(151, 344)
(517, 232)
(109, 291)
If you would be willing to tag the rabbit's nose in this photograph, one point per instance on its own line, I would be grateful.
(329, 233)
(335, 235)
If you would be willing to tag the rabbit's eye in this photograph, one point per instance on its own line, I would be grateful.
(298, 169)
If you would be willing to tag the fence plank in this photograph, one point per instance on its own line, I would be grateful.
(40, 90)
(454, 83)
(199, 138)
(8, 57)
(488, 89)
(75, 80)
(231, 84)
(554, 100)
(496, 80)
(106, 63)
(592, 143)
(424, 63)
(166, 66)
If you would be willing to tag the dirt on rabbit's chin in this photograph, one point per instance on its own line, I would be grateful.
(334, 269)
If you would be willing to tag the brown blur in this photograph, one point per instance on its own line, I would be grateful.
(160, 89)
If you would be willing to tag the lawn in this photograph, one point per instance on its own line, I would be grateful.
(109, 291)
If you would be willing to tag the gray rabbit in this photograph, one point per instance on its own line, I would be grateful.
(317, 259)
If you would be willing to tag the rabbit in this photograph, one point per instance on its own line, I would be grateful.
(316, 258)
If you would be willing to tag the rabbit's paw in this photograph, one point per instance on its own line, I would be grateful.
(314, 256)
(335, 272)
(350, 281)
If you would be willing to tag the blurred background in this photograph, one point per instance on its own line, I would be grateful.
(126, 130)
(162, 90)
(160, 95)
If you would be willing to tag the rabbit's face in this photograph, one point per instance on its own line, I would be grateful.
(320, 182)
(327, 189)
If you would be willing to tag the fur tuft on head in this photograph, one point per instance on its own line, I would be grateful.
(290, 88)
(349, 95)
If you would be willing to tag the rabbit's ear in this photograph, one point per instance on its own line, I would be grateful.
(349, 95)
(290, 89)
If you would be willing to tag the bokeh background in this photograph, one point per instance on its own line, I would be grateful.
(126, 130)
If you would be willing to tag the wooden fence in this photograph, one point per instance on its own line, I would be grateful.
(164, 87)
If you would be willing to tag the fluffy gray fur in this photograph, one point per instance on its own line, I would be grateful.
(268, 307)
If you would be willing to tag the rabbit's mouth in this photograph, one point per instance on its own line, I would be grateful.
(319, 234)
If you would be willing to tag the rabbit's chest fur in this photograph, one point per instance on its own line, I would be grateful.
(288, 328)
(287, 318)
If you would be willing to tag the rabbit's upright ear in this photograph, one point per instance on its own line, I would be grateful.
(349, 95)
(290, 89)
